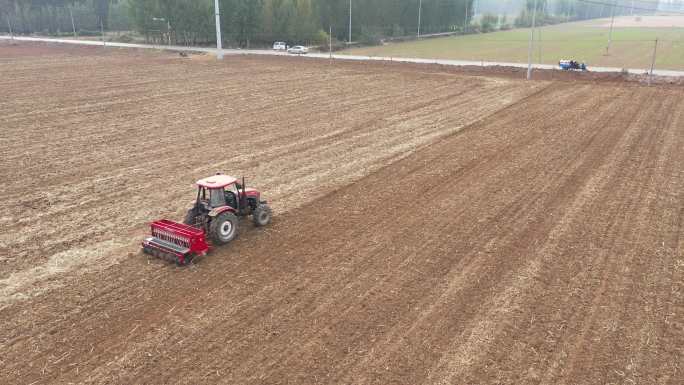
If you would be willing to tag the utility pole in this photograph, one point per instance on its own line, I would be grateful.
(104, 42)
(9, 25)
(612, 21)
(465, 21)
(420, 8)
(531, 46)
(350, 10)
(539, 31)
(73, 25)
(330, 43)
(631, 12)
(655, 48)
(219, 47)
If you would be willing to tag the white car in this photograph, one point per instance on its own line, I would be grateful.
(298, 49)
(280, 46)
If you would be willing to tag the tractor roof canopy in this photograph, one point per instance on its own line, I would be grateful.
(216, 181)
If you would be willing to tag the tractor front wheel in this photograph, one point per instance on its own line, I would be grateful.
(261, 215)
(223, 228)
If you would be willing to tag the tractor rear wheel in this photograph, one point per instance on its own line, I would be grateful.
(223, 228)
(261, 215)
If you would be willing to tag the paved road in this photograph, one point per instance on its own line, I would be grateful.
(334, 56)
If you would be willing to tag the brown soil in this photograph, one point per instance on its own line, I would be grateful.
(431, 227)
(16, 49)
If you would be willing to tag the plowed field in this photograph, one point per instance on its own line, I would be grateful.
(430, 227)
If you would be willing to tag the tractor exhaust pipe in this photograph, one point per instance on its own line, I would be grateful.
(244, 191)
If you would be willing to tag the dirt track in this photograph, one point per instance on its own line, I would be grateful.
(432, 228)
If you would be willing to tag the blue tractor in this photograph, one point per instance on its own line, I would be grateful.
(572, 65)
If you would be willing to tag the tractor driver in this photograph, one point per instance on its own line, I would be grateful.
(232, 194)
(231, 199)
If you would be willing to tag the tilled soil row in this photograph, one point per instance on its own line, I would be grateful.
(116, 140)
(520, 250)
(541, 243)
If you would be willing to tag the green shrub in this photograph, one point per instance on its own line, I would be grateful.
(489, 22)
(321, 37)
(125, 38)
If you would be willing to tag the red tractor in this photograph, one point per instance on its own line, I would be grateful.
(221, 200)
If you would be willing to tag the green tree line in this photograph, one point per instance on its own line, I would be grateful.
(249, 23)
(559, 11)
(243, 22)
(62, 16)
(257, 22)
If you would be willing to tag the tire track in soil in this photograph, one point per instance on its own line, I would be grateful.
(628, 269)
(592, 153)
(564, 177)
(572, 312)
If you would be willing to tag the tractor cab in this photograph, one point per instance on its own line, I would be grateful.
(218, 191)
(223, 190)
